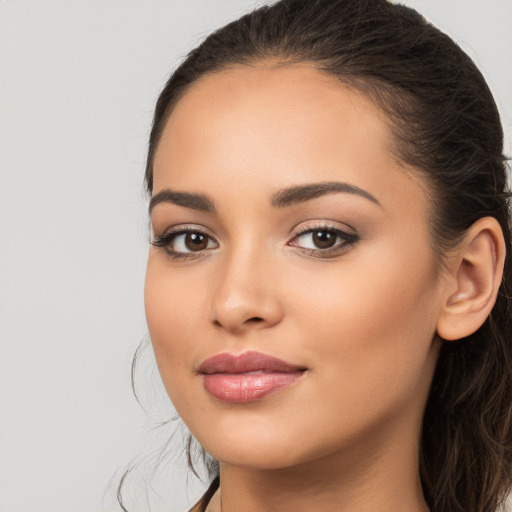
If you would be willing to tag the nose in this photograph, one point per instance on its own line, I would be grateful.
(245, 295)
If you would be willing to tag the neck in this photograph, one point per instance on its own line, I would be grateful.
(382, 475)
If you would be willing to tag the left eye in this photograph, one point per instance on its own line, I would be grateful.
(323, 239)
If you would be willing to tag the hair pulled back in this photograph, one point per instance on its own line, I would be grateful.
(446, 125)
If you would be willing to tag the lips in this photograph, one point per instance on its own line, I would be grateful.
(247, 377)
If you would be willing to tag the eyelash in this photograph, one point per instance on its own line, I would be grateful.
(165, 240)
(347, 241)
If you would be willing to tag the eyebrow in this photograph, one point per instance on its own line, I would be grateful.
(198, 202)
(282, 198)
(302, 193)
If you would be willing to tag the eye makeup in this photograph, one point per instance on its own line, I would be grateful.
(320, 240)
(185, 242)
(323, 240)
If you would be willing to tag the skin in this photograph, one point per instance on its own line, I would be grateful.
(363, 319)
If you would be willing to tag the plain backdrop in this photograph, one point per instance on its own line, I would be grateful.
(78, 81)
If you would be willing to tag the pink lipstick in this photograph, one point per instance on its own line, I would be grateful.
(247, 377)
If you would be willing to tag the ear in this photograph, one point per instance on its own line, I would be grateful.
(474, 273)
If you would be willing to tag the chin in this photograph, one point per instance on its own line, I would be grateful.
(250, 451)
(256, 457)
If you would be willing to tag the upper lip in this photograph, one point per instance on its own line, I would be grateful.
(246, 362)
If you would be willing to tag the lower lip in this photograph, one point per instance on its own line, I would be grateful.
(242, 388)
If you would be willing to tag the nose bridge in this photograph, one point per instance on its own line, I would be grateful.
(245, 295)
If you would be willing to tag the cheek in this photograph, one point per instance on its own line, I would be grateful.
(371, 326)
(172, 311)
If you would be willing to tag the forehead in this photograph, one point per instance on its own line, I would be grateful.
(280, 124)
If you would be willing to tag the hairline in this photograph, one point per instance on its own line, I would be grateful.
(377, 92)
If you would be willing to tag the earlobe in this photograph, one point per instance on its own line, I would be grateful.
(474, 277)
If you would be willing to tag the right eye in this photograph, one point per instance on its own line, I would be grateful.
(184, 242)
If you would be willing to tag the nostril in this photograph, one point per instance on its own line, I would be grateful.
(255, 319)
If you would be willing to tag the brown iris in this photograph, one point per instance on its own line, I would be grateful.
(324, 239)
(196, 241)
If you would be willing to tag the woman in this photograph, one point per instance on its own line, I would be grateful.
(328, 287)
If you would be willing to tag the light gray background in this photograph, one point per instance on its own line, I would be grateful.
(78, 81)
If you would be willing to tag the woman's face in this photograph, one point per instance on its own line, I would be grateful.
(285, 228)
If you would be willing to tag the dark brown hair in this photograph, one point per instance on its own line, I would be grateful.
(446, 125)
